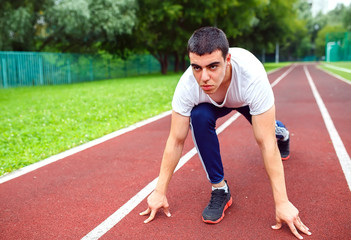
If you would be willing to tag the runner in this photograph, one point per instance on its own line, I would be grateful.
(218, 81)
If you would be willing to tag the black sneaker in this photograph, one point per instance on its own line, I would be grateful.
(284, 149)
(220, 201)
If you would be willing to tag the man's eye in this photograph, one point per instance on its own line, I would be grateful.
(213, 67)
(196, 68)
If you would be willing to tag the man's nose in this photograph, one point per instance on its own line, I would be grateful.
(205, 76)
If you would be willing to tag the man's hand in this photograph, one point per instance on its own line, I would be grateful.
(156, 201)
(289, 214)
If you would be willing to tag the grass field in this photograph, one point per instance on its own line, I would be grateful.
(343, 74)
(38, 122)
(272, 66)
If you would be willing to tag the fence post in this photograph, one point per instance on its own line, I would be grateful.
(4, 73)
(109, 68)
(69, 71)
(41, 71)
(91, 70)
(125, 68)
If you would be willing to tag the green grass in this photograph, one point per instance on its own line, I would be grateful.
(271, 66)
(38, 122)
(342, 74)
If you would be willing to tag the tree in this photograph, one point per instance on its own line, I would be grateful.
(300, 41)
(83, 25)
(347, 18)
(64, 25)
(165, 26)
(275, 22)
(155, 30)
(17, 24)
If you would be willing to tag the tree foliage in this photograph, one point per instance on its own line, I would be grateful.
(336, 21)
(64, 25)
(276, 22)
(162, 28)
(17, 21)
(84, 24)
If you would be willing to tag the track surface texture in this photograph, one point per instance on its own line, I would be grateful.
(69, 198)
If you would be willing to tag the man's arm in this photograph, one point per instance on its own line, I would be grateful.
(264, 131)
(172, 153)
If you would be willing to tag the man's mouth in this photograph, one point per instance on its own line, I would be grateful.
(206, 87)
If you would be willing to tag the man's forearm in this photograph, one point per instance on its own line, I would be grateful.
(275, 171)
(170, 160)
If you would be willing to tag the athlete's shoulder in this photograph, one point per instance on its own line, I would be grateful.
(244, 58)
(237, 52)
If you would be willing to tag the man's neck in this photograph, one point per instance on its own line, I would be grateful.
(221, 92)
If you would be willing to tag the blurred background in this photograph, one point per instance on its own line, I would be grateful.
(52, 52)
(151, 35)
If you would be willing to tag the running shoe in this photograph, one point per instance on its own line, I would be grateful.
(284, 148)
(220, 201)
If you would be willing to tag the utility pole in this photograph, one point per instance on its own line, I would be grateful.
(277, 52)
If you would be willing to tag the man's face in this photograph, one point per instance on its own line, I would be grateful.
(209, 70)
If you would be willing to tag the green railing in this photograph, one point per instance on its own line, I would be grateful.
(36, 68)
(338, 46)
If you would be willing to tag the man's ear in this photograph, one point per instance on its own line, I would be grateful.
(228, 58)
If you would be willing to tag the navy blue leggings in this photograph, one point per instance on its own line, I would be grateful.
(203, 124)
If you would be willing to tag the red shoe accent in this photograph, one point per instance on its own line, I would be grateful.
(229, 203)
(286, 158)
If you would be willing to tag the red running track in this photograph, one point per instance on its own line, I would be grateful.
(69, 198)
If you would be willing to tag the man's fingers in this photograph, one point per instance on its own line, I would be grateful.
(151, 217)
(297, 224)
(278, 225)
(147, 211)
(294, 230)
(166, 211)
(302, 226)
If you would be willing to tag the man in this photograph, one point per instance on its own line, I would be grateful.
(218, 81)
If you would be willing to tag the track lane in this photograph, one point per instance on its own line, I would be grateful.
(336, 95)
(315, 182)
(83, 189)
(67, 199)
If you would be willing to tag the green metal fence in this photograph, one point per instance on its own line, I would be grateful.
(338, 46)
(34, 68)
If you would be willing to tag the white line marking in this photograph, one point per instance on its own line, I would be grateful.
(283, 75)
(80, 148)
(336, 76)
(338, 68)
(339, 147)
(123, 211)
(47, 161)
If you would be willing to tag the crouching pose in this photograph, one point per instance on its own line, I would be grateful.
(220, 80)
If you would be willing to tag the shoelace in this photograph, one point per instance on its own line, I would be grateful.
(217, 198)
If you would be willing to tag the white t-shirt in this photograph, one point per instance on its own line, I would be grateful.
(249, 87)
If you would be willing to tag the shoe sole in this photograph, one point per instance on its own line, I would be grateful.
(285, 158)
(229, 203)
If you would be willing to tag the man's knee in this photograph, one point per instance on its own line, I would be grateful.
(202, 115)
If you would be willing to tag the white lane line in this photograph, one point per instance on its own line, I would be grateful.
(339, 147)
(335, 75)
(140, 196)
(338, 68)
(47, 161)
(123, 211)
(283, 75)
(80, 148)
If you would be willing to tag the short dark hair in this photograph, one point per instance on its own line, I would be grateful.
(206, 40)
